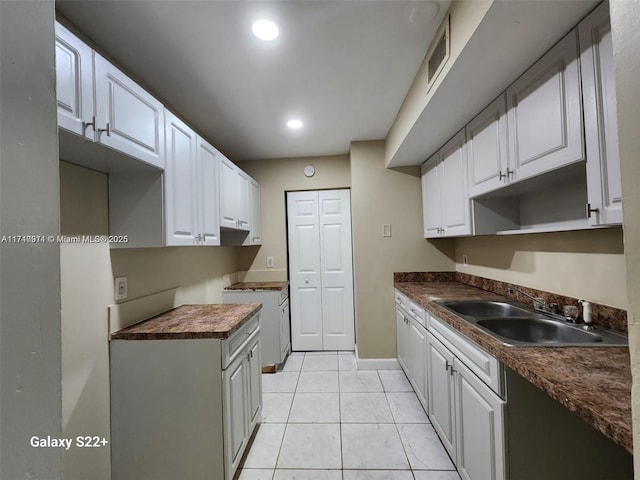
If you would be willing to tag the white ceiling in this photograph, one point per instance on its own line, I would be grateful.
(343, 67)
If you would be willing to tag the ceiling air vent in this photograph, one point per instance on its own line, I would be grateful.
(438, 53)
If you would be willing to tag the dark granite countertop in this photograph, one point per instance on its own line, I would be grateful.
(191, 321)
(593, 382)
(257, 286)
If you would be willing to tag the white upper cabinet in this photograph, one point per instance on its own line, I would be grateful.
(128, 118)
(455, 197)
(445, 199)
(244, 202)
(180, 177)
(255, 212)
(240, 203)
(191, 187)
(99, 102)
(229, 197)
(601, 124)
(544, 113)
(208, 199)
(431, 200)
(74, 83)
(489, 167)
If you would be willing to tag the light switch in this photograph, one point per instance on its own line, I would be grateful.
(386, 229)
(269, 262)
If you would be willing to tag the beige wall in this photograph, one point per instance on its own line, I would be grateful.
(465, 16)
(381, 196)
(625, 18)
(87, 273)
(584, 264)
(276, 177)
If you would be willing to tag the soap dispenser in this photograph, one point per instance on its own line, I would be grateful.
(586, 315)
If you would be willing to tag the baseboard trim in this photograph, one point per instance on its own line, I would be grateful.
(376, 363)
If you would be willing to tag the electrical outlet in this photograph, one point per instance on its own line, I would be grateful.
(269, 262)
(465, 260)
(121, 288)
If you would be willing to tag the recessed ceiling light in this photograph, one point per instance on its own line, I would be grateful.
(295, 124)
(265, 29)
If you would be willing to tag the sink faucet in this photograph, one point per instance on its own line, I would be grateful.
(538, 303)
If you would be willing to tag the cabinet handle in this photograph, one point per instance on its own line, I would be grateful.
(108, 129)
(591, 210)
(449, 367)
(508, 174)
(85, 125)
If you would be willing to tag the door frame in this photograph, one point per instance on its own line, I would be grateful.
(288, 259)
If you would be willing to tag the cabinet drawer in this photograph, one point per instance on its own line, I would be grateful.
(484, 365)
(412, 309)
(232, 346)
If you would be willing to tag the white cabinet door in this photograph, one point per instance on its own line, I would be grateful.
(488, 161)
(431, 198)
(285, 330)
(236, 408)
(455, 203)
(74, 83)
(254, 393)
(544, 113)
(480, 428)
(402, 332)
(418, 349)
(441, 392)
(244, 203)
(604, 185)
(128, 118)
(255, 236)
(229, 197)
(180, 178)
(207, 183)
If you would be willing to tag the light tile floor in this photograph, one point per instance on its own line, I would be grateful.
(325, 420)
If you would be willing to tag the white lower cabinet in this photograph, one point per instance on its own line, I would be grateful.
(242, 389)
(479, 427)
(184, 408)
(274, 320)
(418, 355)
(465, 411)
(412, 345)
(441, 398)
(285, 329)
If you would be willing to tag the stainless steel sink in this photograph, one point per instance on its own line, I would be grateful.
(475, 308)
(538, 330)
(513, 324)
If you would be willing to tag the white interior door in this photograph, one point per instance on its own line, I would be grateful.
(337, 269)
(304, 270)
(321, 270)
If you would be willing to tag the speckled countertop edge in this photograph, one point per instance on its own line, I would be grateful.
(593, 382)
(191, 321)
(256, 286)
